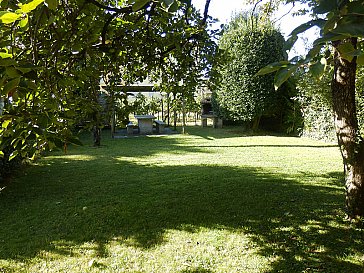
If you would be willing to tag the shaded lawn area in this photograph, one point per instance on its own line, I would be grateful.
(210, 201)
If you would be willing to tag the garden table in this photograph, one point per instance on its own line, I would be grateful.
(145, 123)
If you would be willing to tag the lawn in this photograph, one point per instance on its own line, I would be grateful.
(208, 201)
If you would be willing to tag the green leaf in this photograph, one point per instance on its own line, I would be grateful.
(302, 28)
(5, 123)
(9, 18)
(51, 4)
(283, 75)
(167, 4)
(355, 8)
(314, 51)
(139, 4)
(295, 59)
(24, 22)
(12, 72)
(360, 59)
(7, 62)
(329, 37)
(325, 6)
(15, 96)
(348, 51)
(24, 70)
(4, 55)
(351, 26)
(272, 68)
(173, 8)
(11, 85)
(1, 154)
(290, 42)
(30, 6)
(13, 155)
(331, 22)
(317, 69)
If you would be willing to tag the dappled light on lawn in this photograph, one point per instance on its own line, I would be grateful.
(182, 203)
(75, 157)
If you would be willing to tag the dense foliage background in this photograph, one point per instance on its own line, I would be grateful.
(53, 55)
(248, 43)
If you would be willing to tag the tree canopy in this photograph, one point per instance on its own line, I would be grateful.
(249, 42)
(54, 53)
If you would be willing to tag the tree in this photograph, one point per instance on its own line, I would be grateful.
(341, 24)
(184, 69)
(53, 54)
(248, 43)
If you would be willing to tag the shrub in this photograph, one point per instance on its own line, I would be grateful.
(314, 97)
(248, 44)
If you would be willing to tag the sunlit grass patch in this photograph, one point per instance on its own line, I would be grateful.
(75, 157)
(203, 249)
(208, 201)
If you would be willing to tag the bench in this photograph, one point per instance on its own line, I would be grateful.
(130, 128)
(160, 126)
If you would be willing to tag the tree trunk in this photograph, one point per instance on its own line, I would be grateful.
(183, 115)
(113, 113)
(255, 123)
(347, 130)
(97, 136)
(168, 110)
(96, 128)
(174, 113)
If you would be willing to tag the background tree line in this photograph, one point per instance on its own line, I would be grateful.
(301, 106)
(53, 55)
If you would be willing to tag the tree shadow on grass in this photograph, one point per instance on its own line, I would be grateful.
(211, 133)
(197, 270)
(104, 198)
(142, 146)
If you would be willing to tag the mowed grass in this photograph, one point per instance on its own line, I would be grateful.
(208, 201)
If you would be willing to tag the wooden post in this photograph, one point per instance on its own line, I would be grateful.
(168, 109)
(112, 116)
(174, 113)
(162, 108)
(183, 114)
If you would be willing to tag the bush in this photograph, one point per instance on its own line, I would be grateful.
(360, 98)
(314, 97)
(248, 44)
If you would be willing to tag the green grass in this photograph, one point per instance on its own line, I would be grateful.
(209, 201)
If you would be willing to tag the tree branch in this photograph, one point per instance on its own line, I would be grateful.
(125, 10)
(206, 12)
(106, 25)
(288, 12)
(255, 6)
